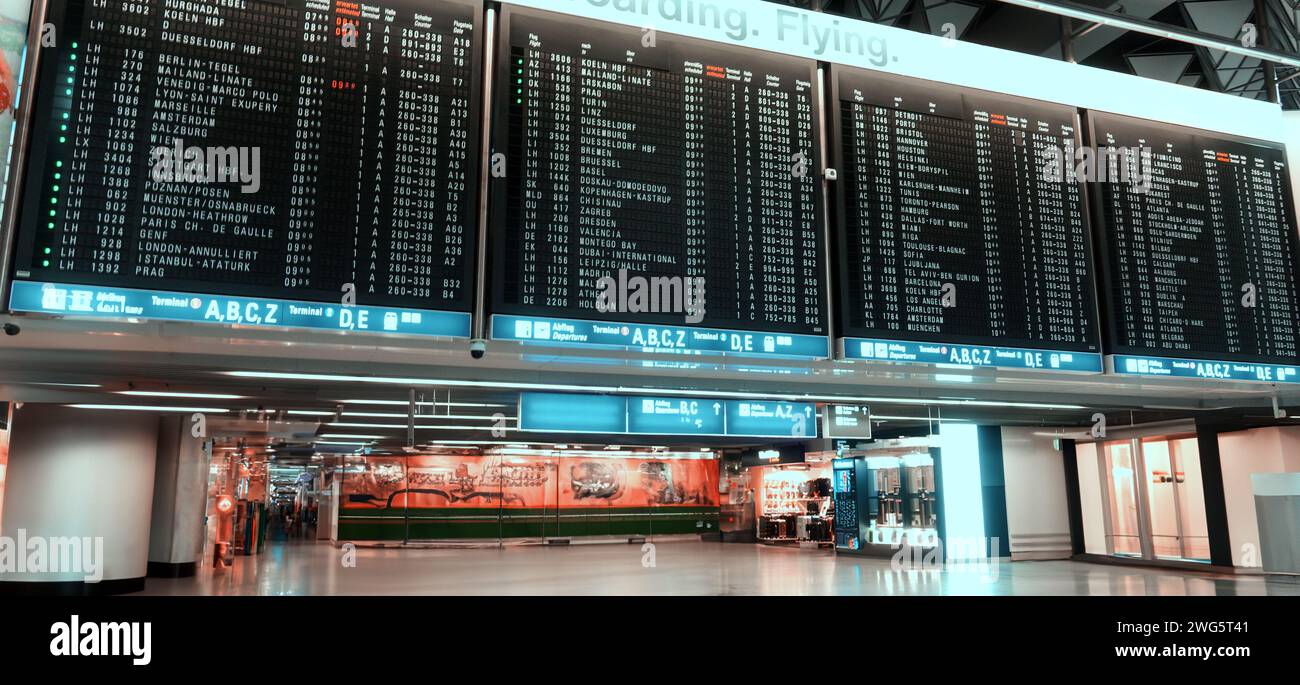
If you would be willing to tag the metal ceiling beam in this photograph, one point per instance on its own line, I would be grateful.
(1155, 28)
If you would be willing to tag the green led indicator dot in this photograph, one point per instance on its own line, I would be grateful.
(520, 101)
(74, 46)
(67, 92)
(45, 262)
(64, 127)
(52, 213)
(58, 176)
(65, 115)
(63, 139)
(47, 250)
(56, 189)
(54, 200)
(59, 164)
(71, 69)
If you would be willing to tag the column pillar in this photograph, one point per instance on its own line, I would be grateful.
(80, 486)
(179, 500)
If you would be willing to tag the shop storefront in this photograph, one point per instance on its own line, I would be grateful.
(793, 503)
(236, 516)
(889, 498)
(528, 494)
(4, 451)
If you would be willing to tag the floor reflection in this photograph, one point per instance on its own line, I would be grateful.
(678, 568)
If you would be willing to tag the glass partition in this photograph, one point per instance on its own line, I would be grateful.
(1154, 498)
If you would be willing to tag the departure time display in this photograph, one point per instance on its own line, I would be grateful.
(630, 155)
(955, 246)
(1201, 263)
(301, 150)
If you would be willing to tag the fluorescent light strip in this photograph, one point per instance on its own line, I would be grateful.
(141, 407)
(476, 442)
(184, 395)
(64, 385)
(345, 424)
(400, 403)
(622, 390)
(886, 417)
(394, 415)
(349, 436)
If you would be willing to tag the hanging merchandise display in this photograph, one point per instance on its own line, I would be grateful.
(794, 503)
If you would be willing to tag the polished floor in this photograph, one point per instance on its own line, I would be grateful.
(675, 568)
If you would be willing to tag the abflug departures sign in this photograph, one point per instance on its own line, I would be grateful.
(1199, 271)
(953, 246)
(265, 163)
(643, 415)
(657, 192)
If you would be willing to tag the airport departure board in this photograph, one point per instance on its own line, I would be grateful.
(274, 154)
(956, 247)
(1200, 251)
(634, 155)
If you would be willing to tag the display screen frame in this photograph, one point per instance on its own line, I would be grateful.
(643, 331)
(318, 309)
(967, 351)
(1235, 366)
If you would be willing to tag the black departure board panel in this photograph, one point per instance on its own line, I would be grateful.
(1200, 258)
(289, 151)
(955, 246)
(631, 155)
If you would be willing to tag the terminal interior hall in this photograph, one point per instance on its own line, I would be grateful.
(709, 297)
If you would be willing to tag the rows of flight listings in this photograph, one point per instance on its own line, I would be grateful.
(679, 160)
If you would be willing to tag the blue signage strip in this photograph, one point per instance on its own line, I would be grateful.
(776, 419)
(654, 338)
(970, 355)
(1168, 367)
(643, 415)
(675, 416)
(564, 413)
(122, 303)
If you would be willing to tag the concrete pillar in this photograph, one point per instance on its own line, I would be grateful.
(179, 500)
(84, 476)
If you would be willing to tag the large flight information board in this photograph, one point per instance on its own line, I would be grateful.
(637, 164)
(1200, 254)
(302, 163)
(955, 247)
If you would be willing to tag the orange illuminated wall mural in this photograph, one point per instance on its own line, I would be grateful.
(460, 496)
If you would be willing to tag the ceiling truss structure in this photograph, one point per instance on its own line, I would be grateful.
(1271, 24)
